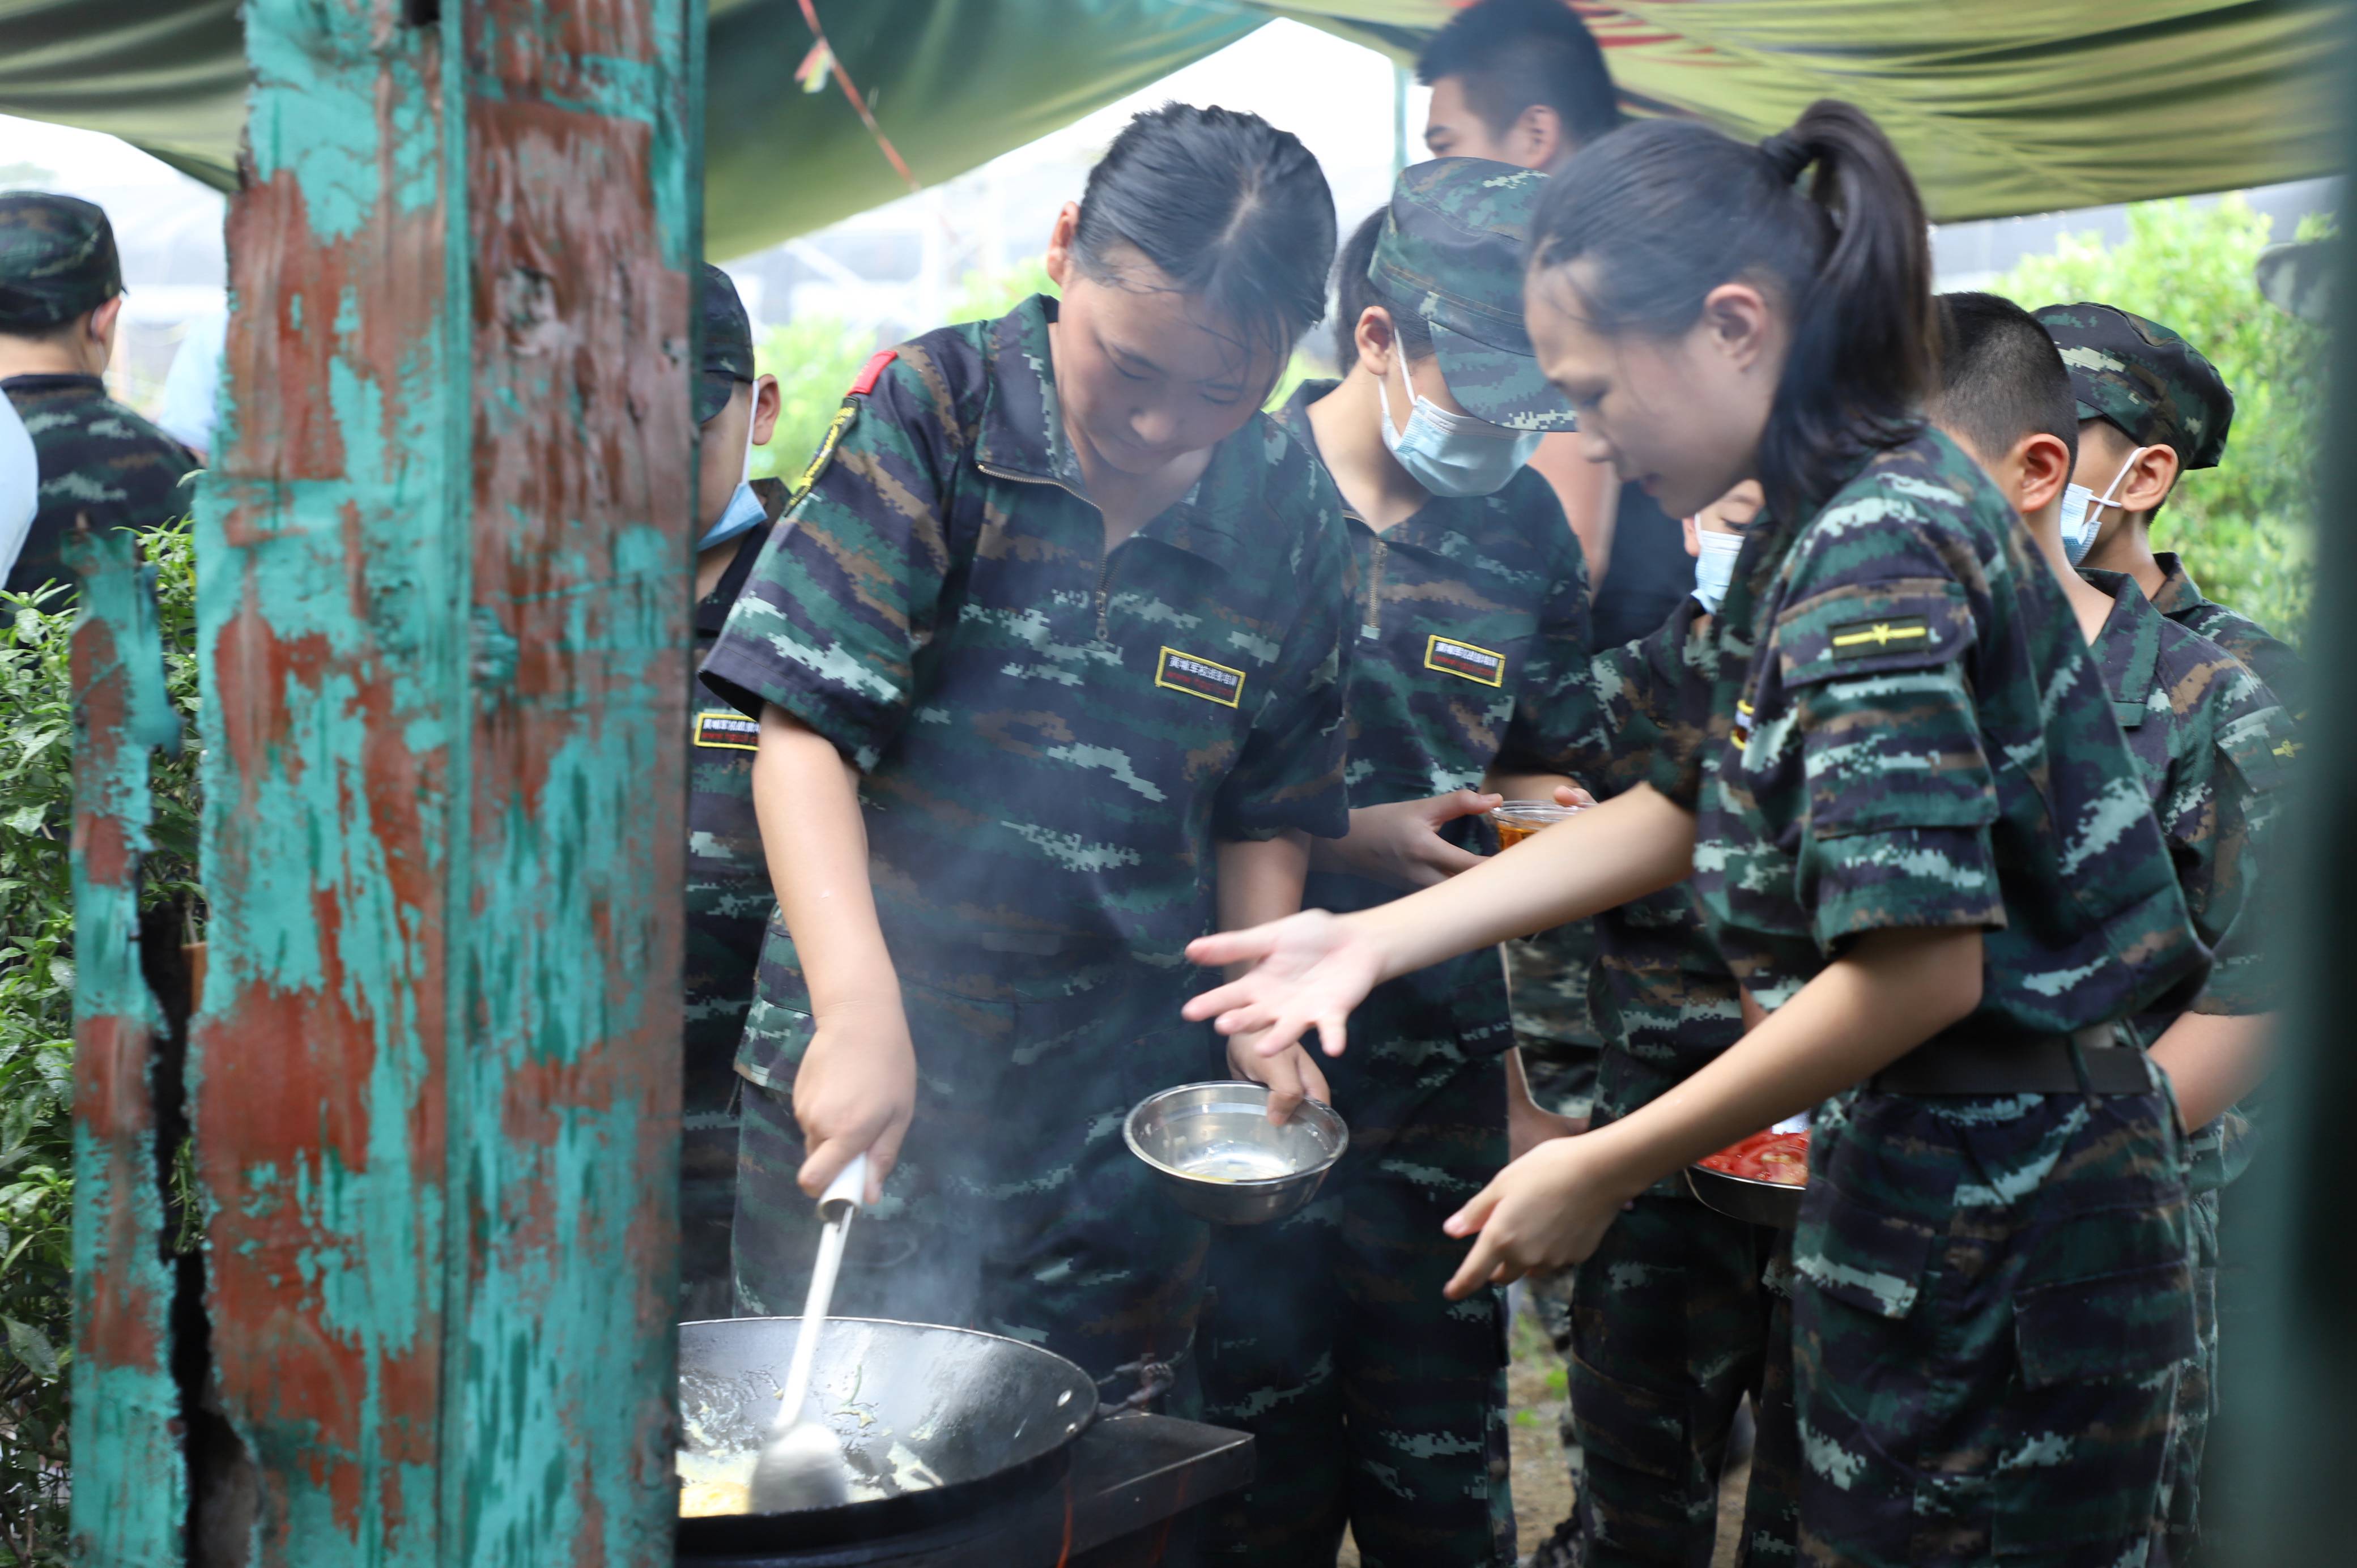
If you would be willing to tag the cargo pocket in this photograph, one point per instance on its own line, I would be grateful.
(1629, 1427)
(2124, 1325)
(1858, 1255)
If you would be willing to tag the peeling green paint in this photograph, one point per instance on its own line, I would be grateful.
(130, 1491)
(436, 1079)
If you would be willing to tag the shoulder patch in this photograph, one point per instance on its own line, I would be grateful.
(865, 382)
(816, 467)
(1865, 639)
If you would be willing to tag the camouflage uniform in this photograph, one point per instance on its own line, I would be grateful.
(1670, 1317)
(98, 460)
(2153, 387)
(2156, 389)
(1900, 728)
(1052, 739)
(2211, 743)
(1376, 1401)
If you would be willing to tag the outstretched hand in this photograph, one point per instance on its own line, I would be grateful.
(1309, 971)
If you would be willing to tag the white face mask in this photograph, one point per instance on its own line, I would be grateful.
(744, 508)
(1452, 454)
(1715, 567)
(2082, 511)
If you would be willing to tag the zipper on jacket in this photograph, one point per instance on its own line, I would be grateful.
(1105, 556)
(1372, 627)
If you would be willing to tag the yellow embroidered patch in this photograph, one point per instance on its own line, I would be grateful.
(727, 731)
(1466, 660)
(1865, 639)
(1200, 677)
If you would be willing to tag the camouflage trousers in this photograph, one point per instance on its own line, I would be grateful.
(1014, 1206)
(1992, 1306)
(1376, 1401)
(1671, 1323)
(707, 1211)
(2197, 1393)
(1547, 976)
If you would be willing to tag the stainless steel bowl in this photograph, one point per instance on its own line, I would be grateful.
(1212, 1148)
(1772, 1203)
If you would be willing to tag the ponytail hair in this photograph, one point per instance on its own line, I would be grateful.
(1231, 209)
(1665, 211)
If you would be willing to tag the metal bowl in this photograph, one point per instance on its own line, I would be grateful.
(1772, 1203)
(1213, 1149)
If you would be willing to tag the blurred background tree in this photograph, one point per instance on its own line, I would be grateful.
(2246, 528)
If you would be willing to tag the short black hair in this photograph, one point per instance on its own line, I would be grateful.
(1226, 205)
(1354, 292)
(1511, 54)
(2001, 377)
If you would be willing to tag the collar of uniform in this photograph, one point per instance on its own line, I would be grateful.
(45, 381)
(2177, 591)
(1021, 432)
(2127, 650)
(1295, 416)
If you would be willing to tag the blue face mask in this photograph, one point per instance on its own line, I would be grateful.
(1453, 454)
(2082, 511)
(1714, 567)
(744, 508)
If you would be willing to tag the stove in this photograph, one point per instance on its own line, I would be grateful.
(1131, 1479)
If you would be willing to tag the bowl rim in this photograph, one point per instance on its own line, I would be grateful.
(1129, 1136)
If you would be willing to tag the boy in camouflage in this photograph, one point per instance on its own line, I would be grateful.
(1921, 845)
(1046, 666)
(61, 297)
(1332, 1343)
(2151, 408)
(2209, 736)
(728, 897)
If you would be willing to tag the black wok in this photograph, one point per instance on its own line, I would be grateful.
(985, 1415)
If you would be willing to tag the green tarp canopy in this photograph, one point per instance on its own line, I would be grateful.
(2001, 106)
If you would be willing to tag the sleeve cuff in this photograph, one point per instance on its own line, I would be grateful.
(1324, 815)
(858, 730)
(1904, 878)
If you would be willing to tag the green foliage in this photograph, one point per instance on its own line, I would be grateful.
(2245, 528)
(37, 978)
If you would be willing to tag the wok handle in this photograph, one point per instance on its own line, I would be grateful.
(1154, 1380)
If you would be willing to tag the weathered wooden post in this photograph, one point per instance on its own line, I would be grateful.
(442, 616)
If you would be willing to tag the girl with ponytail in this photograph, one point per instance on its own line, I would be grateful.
(1898, 786)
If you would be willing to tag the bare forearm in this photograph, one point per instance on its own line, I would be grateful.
(806, 798)
(1891, 992)
(1630, 845)
(2213, 1061)
(1260, 879)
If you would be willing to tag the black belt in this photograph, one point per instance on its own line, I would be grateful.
(2048, 1065)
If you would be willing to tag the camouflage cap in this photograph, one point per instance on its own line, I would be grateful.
(727, 344)
(2144, 378)
(1451, 249)
(56, 260)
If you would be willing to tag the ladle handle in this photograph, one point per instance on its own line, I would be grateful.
(849, 1186)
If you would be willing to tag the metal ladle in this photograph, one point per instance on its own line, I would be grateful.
(801, 1465)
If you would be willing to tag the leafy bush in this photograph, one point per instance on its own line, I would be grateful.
(2246, 527)
(37, 975)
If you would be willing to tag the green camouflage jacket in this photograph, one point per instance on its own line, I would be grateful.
(1052, 737)
(728, 893)
(1470, 650)
(1663, 998)
(2213, 748)
(98, 460)
(1901, 727)
(2269, 658)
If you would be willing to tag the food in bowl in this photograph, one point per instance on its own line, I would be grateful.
(1772, 1157)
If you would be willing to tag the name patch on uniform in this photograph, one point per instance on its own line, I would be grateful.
(1200, 677)
(729, 732)
(1865, 639)
(1451, 657)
